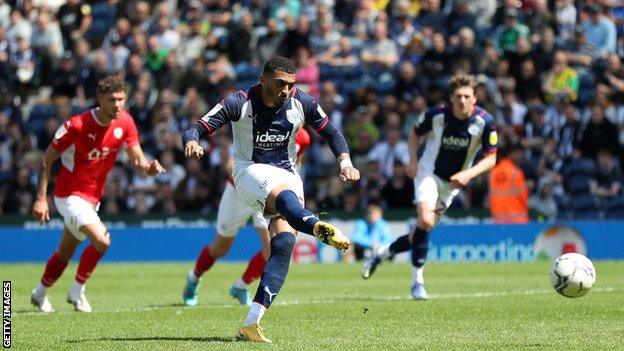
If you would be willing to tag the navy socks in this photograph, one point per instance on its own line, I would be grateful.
(276, 269)
(420, 247)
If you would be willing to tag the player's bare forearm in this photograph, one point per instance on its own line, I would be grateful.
(49, 157)
(141, 164)
(485, 164)
(412, 167)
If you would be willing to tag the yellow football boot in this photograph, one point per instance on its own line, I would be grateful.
(331, 236)
(252, 333)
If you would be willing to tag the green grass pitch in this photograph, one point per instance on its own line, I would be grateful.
(325, 307)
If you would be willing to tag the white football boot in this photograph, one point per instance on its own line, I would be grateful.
(40, 299)
(78, 299)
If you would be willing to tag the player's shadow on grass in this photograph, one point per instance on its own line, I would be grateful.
(216, 339)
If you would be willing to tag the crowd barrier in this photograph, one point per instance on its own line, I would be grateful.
(449, 242)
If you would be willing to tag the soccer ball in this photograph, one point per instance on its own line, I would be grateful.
(572, 275)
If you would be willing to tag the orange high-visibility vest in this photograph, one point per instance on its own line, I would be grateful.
(509, 197)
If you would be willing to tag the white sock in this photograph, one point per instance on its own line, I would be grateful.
(76, 288)
(240, 284)
(417, 275)
(384, 252)
(192, 277)
(255, 314)
(40, 289)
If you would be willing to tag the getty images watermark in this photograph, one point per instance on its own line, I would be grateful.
(6, 314)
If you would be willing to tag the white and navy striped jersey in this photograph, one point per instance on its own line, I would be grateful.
(452, 144)
(262, 134)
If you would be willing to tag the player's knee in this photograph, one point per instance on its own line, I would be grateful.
(102, 242)
(427, 222)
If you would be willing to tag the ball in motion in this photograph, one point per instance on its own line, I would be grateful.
(572, 275)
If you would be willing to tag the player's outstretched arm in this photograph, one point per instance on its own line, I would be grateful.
(461, 179)
(141, 164)
(40, 210)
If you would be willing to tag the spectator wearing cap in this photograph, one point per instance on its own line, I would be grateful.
(506, 35)
(600, 31)
(561, 82)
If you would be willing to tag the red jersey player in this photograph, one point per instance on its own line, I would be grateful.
(87, 144)
(233, 214)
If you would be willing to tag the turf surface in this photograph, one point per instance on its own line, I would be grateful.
(325, 307)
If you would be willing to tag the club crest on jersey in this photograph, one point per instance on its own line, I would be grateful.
(118, 132)
(455, 143)
(473, 130)
(293, 116)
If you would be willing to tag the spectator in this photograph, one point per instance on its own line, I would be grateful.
(370, 232)
(380, 51)
(608, 182)
(508, 192)
(543, 202)
(600, 31)
(506, 35)
(599, 134)
(242, 40)
(561, 82)
(269, 43)
(388, 152)
(398, 191)
(308, 73)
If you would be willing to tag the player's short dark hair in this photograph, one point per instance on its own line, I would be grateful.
(462, 80)
(111, 84)
(279, 63)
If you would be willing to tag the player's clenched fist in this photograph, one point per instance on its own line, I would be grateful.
(350, 174)
(193, 150)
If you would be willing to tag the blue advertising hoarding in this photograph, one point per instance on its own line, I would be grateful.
(449, 243)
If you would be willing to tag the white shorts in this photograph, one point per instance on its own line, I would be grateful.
(76, 213)
(431, 189)
(234, 213)
(254, 182)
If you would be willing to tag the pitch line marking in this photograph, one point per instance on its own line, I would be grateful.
(380, 298)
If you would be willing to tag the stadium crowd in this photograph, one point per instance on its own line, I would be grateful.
(549, 71)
